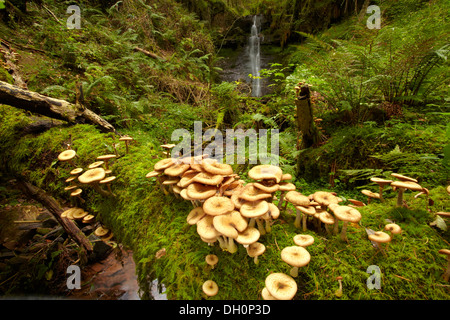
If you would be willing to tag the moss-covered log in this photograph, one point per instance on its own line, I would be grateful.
(54, 108)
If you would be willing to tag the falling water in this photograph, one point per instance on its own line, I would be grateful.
(255, 58)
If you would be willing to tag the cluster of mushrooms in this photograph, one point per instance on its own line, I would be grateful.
(98, 176)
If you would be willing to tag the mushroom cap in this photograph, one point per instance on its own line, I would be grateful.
(448, 189)
(101, 231)
(200, 191)
(71, 187)
(125, 138)
(106, 157)
(76, 192)
(370, 194)
(211, 259)
(308, 210)
(152, 174)
(286, 176)
(325, 198)
(248, 236)
(394, 228)
(403, 178)
(445, 251)
(168, 146)
(187, 179)
(286, 186)
(380, 181)
(281, 286)
(251, 193)
(92, 175)
(108, 180)
(210, 288)
(80, 214)
(96, 164)
(346, 213)
(218, 205)
(67, 155)
(443, 214)
(297, 199)
(380, 237)
(265, 294)
(303, 240)
(208, 178)
(266, 188)
(295, 256)
(273, 212)
(357, 202)
(254, 209)
(407, 185)
(205, 228)
(163, 164)
(76, 171)
(88, 219)
(326, 217)
(256, 249)
(230, 224)
(217, 168)
(176, 170)
(265, 171)
(195, 215)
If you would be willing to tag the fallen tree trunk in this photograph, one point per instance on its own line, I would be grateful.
(54, 108)
(55, 209)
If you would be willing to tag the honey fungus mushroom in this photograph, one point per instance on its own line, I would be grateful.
(296, 257)
(402, 186)
(210, 288)
(127, 140)
(281, 286)
(93, 177)
(67, 156)
(212, 259)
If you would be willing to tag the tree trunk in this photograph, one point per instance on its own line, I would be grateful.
(50, 107)
(305, 120)
(55, 209)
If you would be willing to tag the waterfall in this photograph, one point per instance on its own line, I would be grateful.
(255, 57)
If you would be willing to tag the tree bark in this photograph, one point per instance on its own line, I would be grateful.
(305, 120)
(50, 107)
(55, 209)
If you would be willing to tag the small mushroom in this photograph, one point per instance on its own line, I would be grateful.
(92, 177)
(127, 140)
(370, 195)
(281, 286)
(212, 259)
(303, 240)
(255, 250)
(106, 158)
(338, 292)
(402, 186)
(210, 288)
(381, 184)
(393, 229)
(446, 252)
(380, 237)
(67, 156)
(77, 194)
(346, 214)
(296, 257)
(108, 181)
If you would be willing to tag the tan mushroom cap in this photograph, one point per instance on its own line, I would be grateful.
(212, 259)
(265, 294)
(208, 178)
(218, 205)
(445, 251)
(443, 214)
(195, 215)
(281, 286)
(210, 288)
(76, 192)
(273, 212)
(125, 138)
(248, 236)
(101, 231)
(96, 164)
(295, 256)
(266, 171)
(80, 214)
(108, 180)
(106, 157)
(251, 193)
(393, 228)
(67, 155)
(448, 189)
(346, 213)
(200, 191)
(89, 218)
(168, 146)
(254, 209)
(70, 187)
(164, 164)
(403, 178)
(370, 194)
(286, 176)
(256, 249)
(152, 174)
(308, 210)
(205, 228)
(286, 186)
(325, 198)
(176, 170)
(297, 199)
(266, 188)
(380, 237)
(357, 202)
(217, 168)
(76, 171)
(303, 240)
(326, 217)
(407, 185)
(230, 224)
(69, 212)
(92, 175)
(380, 181)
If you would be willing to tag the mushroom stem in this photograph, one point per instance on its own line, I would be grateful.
(255, 260)
(280, 203)
(294, 272)
(222, 243)
(100, 190)
(400, 197)
(268, 225)
(261, 228)
(336, 226)
(339, 291)
(298, 217)
(232, 247)
(381, 193)
(344, 231)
